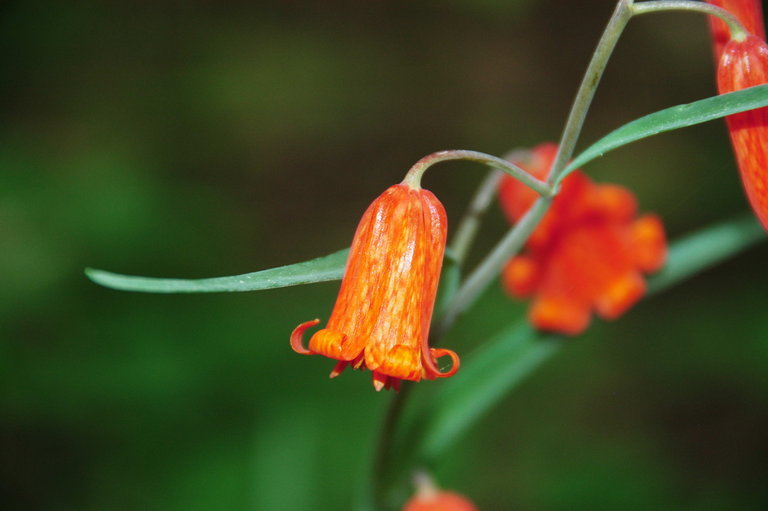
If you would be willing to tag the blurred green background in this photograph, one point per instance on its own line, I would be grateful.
(198, 138)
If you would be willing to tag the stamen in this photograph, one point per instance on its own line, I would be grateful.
(379, 380)
(338, 368)
(297, 337)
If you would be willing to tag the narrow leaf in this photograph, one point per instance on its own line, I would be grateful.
(330, 267)
(701, 250)
(674, 118)
(491, 372)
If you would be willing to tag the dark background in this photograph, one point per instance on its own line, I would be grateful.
(200, 138)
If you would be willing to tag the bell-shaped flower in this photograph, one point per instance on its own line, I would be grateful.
(588, 254)
(383, 311)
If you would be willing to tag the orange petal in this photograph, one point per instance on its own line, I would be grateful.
(521, 276)
(399, 361)
(620, 295)
(330, 343)
(569, 317)
(613, 202)
(297, 337)
(649, 243)
(431, 367)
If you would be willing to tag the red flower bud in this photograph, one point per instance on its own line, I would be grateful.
(745, 64)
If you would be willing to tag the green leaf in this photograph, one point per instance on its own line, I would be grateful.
(701, 250)
(330, 267)
(673, 118)
(502, 362)
(490, 373)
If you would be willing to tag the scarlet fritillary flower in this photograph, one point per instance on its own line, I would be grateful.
(744, 63)
(748, 12)
(431, 498)
(588, 253)
(383, 311)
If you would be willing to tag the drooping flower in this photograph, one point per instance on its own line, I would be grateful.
(748, 12)
(588, 254)
(383, 311)
(744, 63)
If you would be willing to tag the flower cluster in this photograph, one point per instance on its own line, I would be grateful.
(588, 253)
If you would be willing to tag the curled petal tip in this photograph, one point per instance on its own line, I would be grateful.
(297, 337)
(455, 363)
(378, 384)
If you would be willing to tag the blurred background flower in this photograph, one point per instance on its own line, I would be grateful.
(200, 138)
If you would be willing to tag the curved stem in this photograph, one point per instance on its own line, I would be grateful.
(578, 113)
(469, 224)
(413, 177)
(738, 32)
(516, 237)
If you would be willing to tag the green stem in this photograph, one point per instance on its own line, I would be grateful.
(516, 237)
(487, 270)
(413, 177)
(621, 15)
(738, 32)
(382, 458)
(465, 233)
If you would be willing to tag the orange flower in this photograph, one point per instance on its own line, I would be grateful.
(745, 64)
(588, 253)
(748, 12)
(383, 311)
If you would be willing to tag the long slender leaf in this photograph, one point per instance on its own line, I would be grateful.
(488, 375)
(330, 267)
(674, 118)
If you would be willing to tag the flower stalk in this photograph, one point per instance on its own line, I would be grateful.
(414, 175)
(516, 237)
(619, 19)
